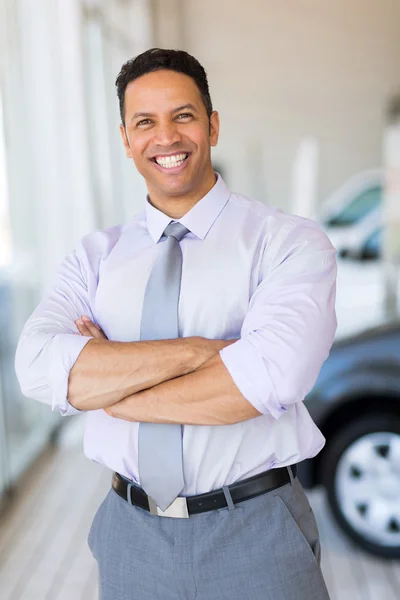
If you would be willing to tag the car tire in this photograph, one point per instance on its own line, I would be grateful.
(345, 461)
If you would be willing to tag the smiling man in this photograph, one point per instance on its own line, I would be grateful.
(190, 337)
(168, 130)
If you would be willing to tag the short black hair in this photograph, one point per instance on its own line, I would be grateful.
(157, 59)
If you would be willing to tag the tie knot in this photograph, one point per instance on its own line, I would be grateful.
(176, 230)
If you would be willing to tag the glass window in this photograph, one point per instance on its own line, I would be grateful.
(358, 208)
(373, 245)
(25, 425)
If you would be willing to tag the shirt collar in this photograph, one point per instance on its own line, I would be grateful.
(198, 220)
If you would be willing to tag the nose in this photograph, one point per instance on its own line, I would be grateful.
(167, 134)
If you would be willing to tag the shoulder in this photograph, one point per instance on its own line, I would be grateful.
(99, 243)
(103, 241)
(96, 246)
(278, 227)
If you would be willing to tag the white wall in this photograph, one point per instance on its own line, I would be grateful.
(281, 70)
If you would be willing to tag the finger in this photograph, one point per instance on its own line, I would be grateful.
(88, 322)
(93, 329)
(82, 328)
(99, 334)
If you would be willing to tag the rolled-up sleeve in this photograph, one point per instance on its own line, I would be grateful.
(290, 325)
(48, 346)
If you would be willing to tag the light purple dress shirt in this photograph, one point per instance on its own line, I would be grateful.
(249, 272)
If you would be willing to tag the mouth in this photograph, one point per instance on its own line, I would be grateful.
(173, 163)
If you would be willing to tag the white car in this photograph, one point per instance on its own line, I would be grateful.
(360, 295)
(353, 211)
(352, 219)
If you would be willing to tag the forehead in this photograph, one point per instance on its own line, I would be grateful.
(161, 91)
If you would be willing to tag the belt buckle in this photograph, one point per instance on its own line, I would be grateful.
(178, 509)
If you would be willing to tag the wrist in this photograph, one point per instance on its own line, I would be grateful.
(196, 349)
(202, 349)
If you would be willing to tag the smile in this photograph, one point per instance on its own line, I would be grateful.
(169, 162)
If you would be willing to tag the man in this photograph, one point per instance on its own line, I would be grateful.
(191, 336)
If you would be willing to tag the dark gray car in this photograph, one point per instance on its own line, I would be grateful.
(356, 404)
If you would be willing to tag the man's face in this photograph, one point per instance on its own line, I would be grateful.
(168, 133)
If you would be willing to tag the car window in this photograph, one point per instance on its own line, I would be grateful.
(358, 208)
(373, 245)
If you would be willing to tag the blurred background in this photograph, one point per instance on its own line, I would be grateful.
(308, 95)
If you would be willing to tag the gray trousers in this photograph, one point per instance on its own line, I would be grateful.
(266, 548)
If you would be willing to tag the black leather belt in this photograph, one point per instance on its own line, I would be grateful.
(239, 491)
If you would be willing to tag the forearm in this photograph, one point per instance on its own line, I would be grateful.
(106, 372)
(207, 396)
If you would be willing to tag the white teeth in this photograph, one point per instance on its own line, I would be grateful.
(170, 161)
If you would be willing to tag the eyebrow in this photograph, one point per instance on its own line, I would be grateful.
(175, 110)
(185, 107)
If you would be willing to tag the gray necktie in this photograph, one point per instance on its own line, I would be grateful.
(160, 445)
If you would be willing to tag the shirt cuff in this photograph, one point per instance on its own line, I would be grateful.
(247, 369)
(65, 351)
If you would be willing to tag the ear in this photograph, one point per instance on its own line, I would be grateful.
(214, 128)
(125, 141)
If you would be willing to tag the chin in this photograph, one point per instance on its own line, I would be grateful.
(176, 192)
(175, 188)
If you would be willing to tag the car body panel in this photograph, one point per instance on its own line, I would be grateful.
(363, 367)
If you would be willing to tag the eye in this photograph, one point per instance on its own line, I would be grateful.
(143, 122)
(184, 116)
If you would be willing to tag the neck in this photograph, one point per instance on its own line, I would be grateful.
(176, 206)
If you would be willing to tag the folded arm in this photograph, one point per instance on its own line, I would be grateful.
(208, 396)
(285, 338)
(71, 372)
(106, 372)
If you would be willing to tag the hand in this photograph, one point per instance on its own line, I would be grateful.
(87, 327)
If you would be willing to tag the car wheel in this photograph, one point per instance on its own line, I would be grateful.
(361, 473)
